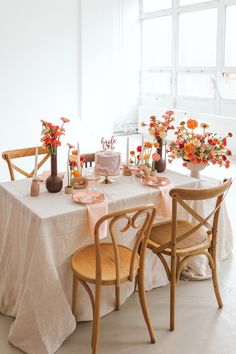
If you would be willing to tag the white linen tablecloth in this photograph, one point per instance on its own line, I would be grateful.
(38, 235)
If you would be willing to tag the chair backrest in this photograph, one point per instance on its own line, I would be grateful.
(140, 219)
(180, 196)
(89, 159)
(8, 156)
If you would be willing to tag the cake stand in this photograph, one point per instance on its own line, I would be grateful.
(106, 179)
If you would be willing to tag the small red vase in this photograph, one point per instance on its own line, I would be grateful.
(54, 183)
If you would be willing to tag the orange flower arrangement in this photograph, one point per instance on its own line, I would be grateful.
(73, 162)
(147, 154)
(202, 148)
(51, 134)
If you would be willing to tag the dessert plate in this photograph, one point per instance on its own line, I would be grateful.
(156, 181)
(88, 197)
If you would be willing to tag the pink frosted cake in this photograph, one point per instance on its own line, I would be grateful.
(107, 163)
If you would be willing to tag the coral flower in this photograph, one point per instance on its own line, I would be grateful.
(65, 120)
(146, 156)
(156, 156)
(192, 124)
(70, 146)
(170, 113)
(188, 147)
(132, 153)
(204, 125)
(76, 173)
(147, 144)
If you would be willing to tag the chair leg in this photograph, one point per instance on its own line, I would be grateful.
(117, 298)
(135, 283)
(74, 295)
(216, 288)
(143, 303)
(172, 292)
(215, 281)
(211, 254)
(96, 319)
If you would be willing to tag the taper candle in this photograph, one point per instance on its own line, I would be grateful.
(127, 151)
(142, 147)
(36, 162)
(78, 157)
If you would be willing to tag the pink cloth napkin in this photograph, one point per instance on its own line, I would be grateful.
(166, 200)
(95, 212)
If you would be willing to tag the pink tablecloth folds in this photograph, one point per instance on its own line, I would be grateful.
(165, 200)
(38, 237)
(95, 212)
(97, 206)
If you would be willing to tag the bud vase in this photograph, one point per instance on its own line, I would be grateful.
(160, 165)
(54, 183)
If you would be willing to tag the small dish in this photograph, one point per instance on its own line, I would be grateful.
(88, 197)
(155, 181)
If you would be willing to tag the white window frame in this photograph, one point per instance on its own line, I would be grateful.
(218, 70)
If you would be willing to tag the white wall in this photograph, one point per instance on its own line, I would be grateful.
(126, 117)
(99, 67)
(39, 71)
(76, 58)
(110, 65)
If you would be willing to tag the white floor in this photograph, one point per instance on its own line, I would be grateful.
(201, 327)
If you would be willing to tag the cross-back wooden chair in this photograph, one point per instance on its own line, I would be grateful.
(89, 159)
(112, 263)
(182, 240)
(9, 155)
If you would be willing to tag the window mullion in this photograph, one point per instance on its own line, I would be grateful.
(175, 50)
(220, 56)
(140, 47)
(198, 6)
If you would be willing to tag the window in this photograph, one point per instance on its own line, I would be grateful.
(157, 41)
(230, 32)
(189, 54)
(153, 83)
(196, 85)
(197, 38)
(191, 2)
(156, 5)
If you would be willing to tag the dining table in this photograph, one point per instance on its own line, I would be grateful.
(38, 236)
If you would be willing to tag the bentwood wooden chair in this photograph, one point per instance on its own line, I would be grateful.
(112, 263)
(9, 155)
(182, 240)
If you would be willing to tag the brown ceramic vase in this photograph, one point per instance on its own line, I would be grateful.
(160, 165)
(54, 183)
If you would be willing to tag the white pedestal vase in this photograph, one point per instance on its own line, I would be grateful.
(195, 169)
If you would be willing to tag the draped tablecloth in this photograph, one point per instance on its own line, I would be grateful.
(38, 235)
